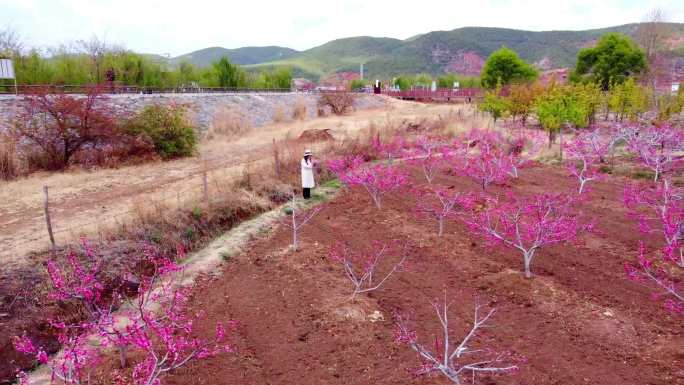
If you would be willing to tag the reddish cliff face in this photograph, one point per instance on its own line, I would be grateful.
(462, 62)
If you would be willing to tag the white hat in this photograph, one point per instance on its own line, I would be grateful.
(307, 152)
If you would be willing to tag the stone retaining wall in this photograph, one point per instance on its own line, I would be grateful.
(256, 108)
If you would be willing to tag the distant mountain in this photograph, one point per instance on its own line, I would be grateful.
(461, 50)
(241, 56)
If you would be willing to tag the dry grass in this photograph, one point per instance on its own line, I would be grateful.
(10, 164)
(279, 114)
(83, 202)
(229, 121)
(299, 110)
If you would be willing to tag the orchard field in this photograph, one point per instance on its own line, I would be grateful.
(434, 252)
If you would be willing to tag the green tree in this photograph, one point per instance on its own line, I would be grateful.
(423, 80)
(447, 81)
(670, 105)
(33, 69)
(494, 103)
(357, 84)
(168, 128)
(521, 98)
(187, 74)
(629, 100)
(504, 66)
(614, 59)
(591, 98)
(404, 82)
(229, 75)
(559, 107)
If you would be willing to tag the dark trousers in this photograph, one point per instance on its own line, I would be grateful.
(306, 192)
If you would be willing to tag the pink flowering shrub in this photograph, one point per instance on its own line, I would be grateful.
(377, 180)
(584, 153)
(455, 358)
(158, 324)
(658, 273)
(163, 329)
(658, 148)
(342, 166)
(362, 267)
(521, 150)
(429, 155)
(479, 156)
(659, 210)
(527, 224)
(441, 203)
(391, 149)
(71, 366)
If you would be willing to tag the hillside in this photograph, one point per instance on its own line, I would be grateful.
(242, 56)
(461, 50)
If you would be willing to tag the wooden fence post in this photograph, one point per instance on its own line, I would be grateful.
(47, 217)
(205, 181)
(276, 159)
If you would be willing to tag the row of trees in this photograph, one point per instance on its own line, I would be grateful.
(406, 82)
(95, 61)
(580, 104)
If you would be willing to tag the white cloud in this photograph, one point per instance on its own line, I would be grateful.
(177, 27)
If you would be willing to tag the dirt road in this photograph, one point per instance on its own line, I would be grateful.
(83, 202)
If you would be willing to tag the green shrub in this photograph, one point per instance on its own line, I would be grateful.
(168, 128)
(197, 212)
(643, 174)
(226, 256)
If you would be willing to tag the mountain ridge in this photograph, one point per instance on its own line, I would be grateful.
(461, 50)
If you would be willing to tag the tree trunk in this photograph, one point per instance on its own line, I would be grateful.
(560, 134)
(528, 260)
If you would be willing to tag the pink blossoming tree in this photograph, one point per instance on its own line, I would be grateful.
(429, 155)
(377, 180)
(391, 149)
(441, 203)
(161, 326)
(527, 224)
(157, 323)
(658, 273)
(658, 148)
(521, 150)
(659, 210)
(584, 153)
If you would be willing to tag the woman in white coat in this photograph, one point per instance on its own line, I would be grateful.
(307, 174)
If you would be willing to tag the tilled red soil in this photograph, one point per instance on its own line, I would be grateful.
(578, 321)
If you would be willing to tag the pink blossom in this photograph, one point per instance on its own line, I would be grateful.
(527, 224)
(377, 180)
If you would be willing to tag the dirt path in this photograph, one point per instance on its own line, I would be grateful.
(84, 202)
(578, 321)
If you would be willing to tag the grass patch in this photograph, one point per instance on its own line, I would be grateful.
(643, 174)
(333, 183)
(226, 256)
(606, 169)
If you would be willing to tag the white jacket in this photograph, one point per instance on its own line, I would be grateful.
(307, 174)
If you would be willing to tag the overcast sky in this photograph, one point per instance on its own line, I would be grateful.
(177, 27)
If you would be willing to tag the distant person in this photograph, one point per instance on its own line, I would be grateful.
(307, 174)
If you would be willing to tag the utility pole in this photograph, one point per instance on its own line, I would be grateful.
(361, 71)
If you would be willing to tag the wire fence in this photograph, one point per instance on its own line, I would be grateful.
(200, 187)
(28, 89)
